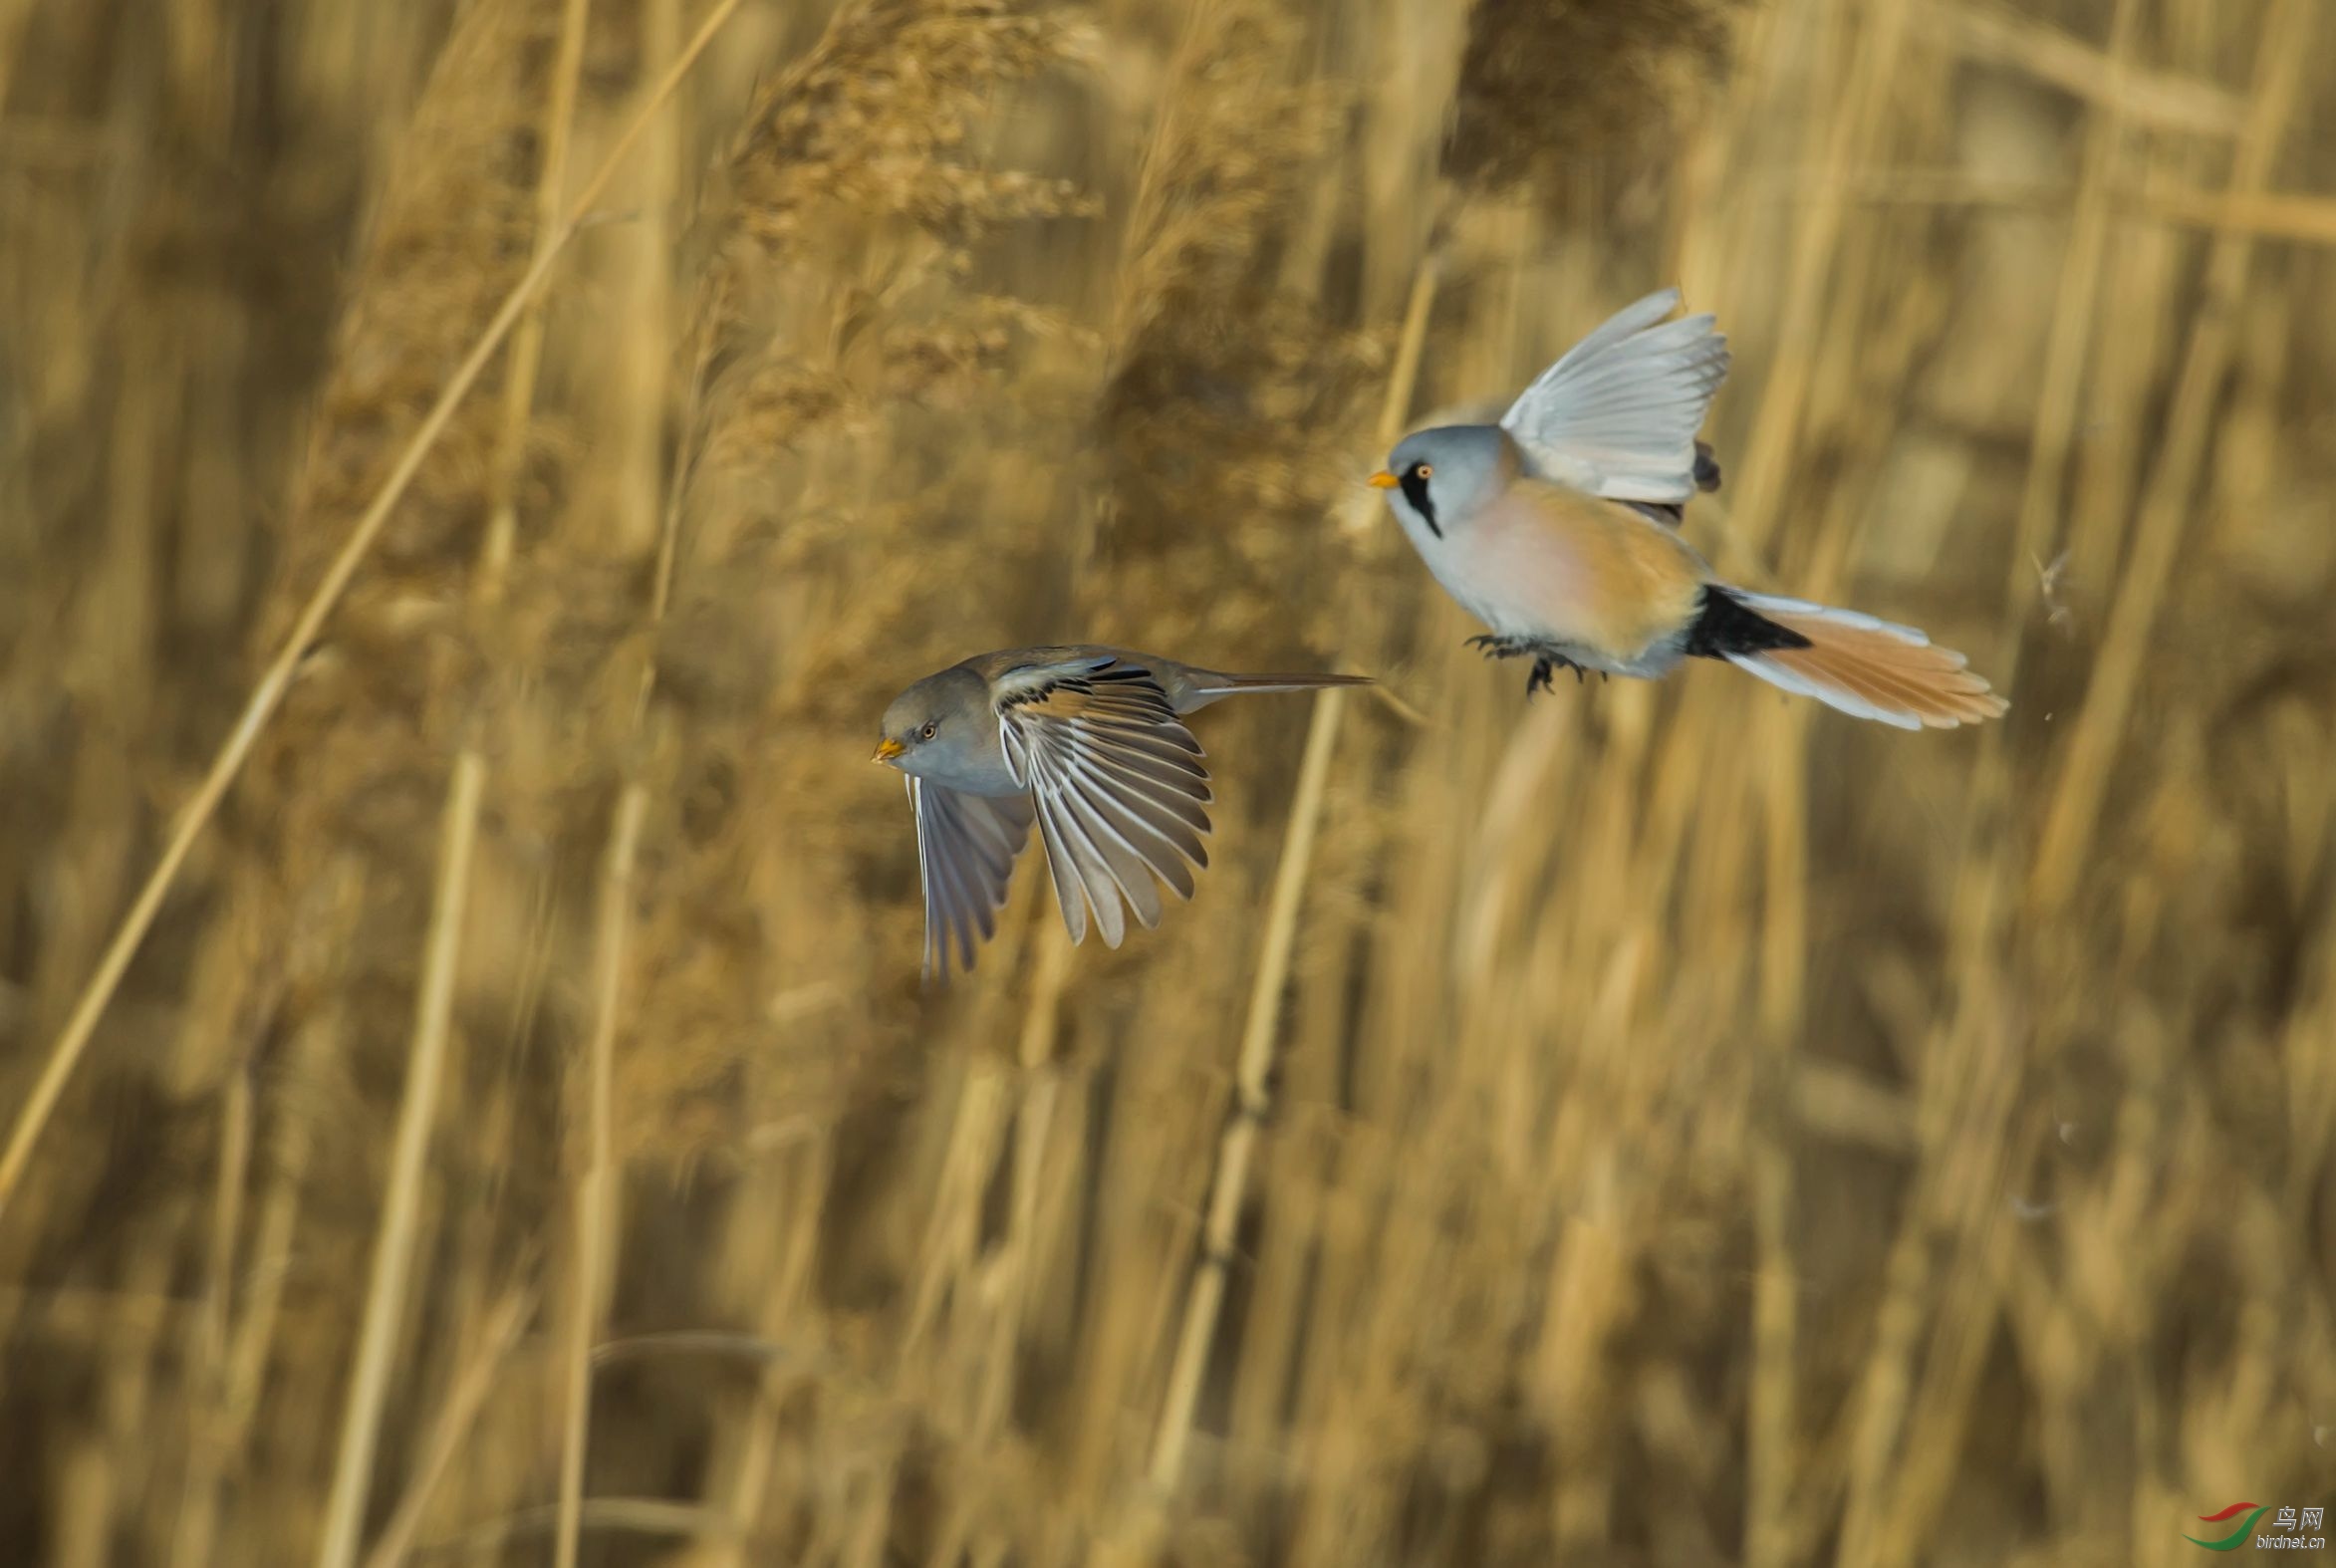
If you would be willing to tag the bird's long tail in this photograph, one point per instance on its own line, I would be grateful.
(1211, 684)
(1864, 667)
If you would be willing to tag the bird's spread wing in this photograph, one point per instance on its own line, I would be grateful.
(1118, 783)
(1617, 415)
(965, 850)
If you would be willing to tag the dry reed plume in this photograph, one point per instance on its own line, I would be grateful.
(1660, 1126)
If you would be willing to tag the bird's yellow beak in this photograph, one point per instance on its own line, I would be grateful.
(1383, 480)
(887, 750)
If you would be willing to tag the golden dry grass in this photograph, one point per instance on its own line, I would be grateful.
(1662, 1125)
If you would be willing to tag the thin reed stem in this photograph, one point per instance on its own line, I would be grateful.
(596, 1193)
(495, 549)
(655, 1518)
(1784, 401)
(2053, 434)
(198, 1509)
(451, 1430)
(1993, 31)
(527, 339)
(1252, 1099)
(401, 1207)
(73, 1041)
(2305, 218)
(1253, 1073)
(314, 1043)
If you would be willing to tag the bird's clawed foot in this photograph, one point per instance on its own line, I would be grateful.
(1546, 661)
(1502, 646)
(1545, 668)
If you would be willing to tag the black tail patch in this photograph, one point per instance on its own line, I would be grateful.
(1726, 626)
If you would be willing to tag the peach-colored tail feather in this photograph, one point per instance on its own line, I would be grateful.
(1869, 668)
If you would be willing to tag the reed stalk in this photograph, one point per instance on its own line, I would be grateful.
(393, 1266)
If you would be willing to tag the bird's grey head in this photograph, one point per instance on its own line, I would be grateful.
(935, 709)
(1442, 476)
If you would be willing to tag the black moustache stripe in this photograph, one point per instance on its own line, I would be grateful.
(1415, 492)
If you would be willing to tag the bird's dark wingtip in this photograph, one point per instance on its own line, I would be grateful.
(1706, 467)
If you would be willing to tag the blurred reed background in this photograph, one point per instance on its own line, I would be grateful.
(1698, 1129)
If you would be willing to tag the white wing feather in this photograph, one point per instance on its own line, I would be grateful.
(1617, 415)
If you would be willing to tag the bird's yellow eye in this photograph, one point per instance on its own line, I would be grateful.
(927, 732)
(1424, 470)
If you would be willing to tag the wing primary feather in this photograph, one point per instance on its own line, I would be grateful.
(966, 845)
(1119, 860)
(1119, 789)
(1155, 850)
(1088, 867)
(1069, 892)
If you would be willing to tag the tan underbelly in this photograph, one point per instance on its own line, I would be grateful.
(1578, 570)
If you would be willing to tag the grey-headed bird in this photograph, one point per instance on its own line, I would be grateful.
(1088, 741)
(1556, 528)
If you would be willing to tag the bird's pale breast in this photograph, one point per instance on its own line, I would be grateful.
(1545, 562)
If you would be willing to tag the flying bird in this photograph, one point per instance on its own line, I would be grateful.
(1557, 528)
(1091, 743)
